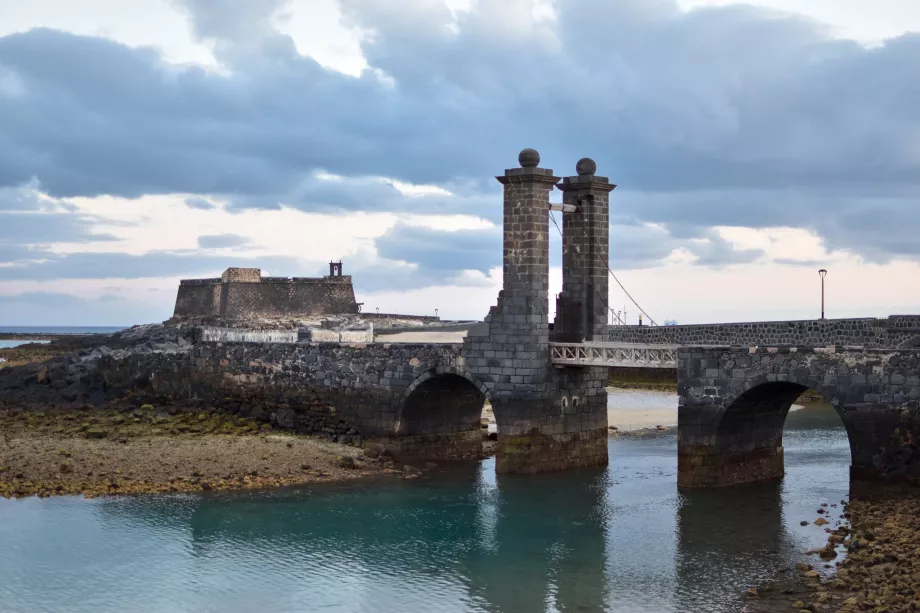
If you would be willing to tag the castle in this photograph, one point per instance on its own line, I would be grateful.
(243, 293)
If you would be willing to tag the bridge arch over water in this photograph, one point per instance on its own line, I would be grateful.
(734, 402)
(442, 406)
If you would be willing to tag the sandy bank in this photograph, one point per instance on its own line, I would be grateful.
(632, 410)
(107, 452)
(427, 336)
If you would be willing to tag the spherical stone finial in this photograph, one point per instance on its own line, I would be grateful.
(585, 166)
(529, 158)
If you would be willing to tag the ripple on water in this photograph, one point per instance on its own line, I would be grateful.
(621, 539)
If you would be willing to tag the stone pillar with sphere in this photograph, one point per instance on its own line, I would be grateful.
(547, 419)
(582, 314)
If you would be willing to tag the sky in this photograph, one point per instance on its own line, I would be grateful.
(145, 141)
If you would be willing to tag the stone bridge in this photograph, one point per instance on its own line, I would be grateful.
(734, 401)
(546, 383)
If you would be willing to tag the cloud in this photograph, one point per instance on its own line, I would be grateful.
(200, 203)
(442, 250)
(219, 241)
(56, 299)
(89, 265)
(731, 116)
(27, 218)
(39, 308)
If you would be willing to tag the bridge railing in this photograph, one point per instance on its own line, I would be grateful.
(613, 354)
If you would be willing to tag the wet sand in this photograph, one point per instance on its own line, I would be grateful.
(428, 336)
(633, 410)
(110, 452)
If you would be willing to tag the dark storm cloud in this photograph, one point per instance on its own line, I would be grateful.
(728, 116)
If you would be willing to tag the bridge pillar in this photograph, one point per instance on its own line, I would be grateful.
(581, 313)
(547, 419)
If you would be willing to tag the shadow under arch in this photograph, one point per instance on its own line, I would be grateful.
(744, 442)
(439, 415)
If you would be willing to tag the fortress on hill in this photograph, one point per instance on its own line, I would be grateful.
(243, 293)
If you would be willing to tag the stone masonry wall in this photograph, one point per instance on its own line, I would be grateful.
(198, 298)
(239, 296)
(868, 332)
(342, 389)
(733, 402)
(301, 297)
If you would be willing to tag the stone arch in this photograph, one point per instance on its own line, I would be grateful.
(441, 401)
(751, 421)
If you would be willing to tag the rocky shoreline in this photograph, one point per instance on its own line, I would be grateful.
(880, 539)
(105, 452)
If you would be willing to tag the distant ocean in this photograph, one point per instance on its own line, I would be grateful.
(8, 344)
(60, 329)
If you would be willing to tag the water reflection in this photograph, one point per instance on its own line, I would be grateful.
(728, 536)
(620, 539)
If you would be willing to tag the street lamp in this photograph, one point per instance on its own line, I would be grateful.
(822, 273)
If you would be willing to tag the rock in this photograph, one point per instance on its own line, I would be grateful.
(821, 521)
(803, 523)
(344, 461)
(803, 566)
(812, 574)
(96, 432)
(285, 418)
(828, 553)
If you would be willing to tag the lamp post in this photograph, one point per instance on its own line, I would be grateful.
(822, 273)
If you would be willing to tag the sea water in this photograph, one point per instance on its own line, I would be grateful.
(464, 539)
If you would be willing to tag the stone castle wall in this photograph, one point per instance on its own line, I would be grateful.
(242, 293)
(288, 297)
(198, 298)
(866, 332)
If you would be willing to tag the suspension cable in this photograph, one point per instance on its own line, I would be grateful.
(628, 295)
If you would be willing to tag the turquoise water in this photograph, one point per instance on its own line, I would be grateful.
(621, 539)
(8, 344)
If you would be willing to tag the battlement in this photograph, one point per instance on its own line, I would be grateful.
(243, 293)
